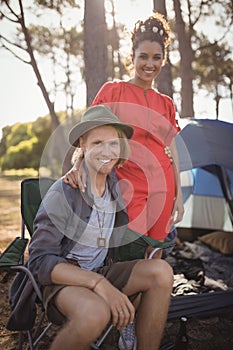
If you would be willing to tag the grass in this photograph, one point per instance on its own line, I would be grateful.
(9, 209)
(19, 173)
(9, 229)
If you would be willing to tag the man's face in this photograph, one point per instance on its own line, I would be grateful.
(101, 147)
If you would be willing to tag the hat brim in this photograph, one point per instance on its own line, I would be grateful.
(80, 129)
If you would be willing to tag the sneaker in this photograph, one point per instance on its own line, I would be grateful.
(129, 342)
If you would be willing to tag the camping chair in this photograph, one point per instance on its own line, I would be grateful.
(12, 259)
(32, 191)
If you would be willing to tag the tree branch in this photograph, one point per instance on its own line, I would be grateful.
(14, 54)
(12, 11)
(11, 43)
(8, 18)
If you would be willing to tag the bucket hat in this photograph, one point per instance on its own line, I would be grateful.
(97, 116)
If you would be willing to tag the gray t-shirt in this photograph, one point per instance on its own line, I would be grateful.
(99, 228)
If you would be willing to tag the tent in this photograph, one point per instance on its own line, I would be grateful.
(206, 164)
(206, 206)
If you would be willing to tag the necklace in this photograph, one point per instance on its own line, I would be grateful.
(101, 241)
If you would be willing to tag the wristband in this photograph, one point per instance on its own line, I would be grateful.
(98, 281)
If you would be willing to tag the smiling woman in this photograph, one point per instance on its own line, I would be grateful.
(153, 207)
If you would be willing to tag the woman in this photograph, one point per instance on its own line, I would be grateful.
(150, 180)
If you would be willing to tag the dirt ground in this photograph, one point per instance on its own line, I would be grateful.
(215, 333)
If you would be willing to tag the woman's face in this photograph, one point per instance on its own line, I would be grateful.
(148, 60)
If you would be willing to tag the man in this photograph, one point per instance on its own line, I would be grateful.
(75, 232)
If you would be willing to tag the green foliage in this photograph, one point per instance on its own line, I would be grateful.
(5, 132)
(57, 5)
(49, 41)
(41, 128)
(22, 144)
(20, 156)
(212, 67)
(19, 132)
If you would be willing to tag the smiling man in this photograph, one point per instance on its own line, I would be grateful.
(69, 254)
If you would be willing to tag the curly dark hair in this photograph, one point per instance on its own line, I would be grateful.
(155, 28)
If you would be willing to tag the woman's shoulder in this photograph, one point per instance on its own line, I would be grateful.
(163, 96)
(109, 92)
(164, 100)
(113, 84)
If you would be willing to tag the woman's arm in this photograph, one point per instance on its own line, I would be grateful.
(178, 210)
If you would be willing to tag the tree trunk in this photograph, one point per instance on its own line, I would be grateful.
(95, 48)
(186, 59)
(60, 140)
(164, 80)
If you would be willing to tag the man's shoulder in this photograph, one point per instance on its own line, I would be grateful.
(60, 186)
(62, 190)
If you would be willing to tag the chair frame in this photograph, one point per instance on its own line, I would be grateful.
(12, 260)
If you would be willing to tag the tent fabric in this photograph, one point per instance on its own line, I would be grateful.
(202, 177)
(204, 201)
(205, 142)
(205, 212)
(206, 164)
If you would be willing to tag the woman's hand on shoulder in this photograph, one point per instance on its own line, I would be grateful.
(76, 176)
(71, 178)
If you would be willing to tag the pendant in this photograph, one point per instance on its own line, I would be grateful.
(101, 242)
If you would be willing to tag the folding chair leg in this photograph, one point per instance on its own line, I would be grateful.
(41, 335)
(31, 347)
(100, 340)
(21, 338)
(155, 250)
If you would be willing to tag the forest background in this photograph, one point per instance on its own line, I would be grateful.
(73, 47)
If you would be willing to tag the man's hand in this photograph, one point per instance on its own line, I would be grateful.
(122, 310)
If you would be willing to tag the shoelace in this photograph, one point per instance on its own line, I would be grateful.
(129, 335)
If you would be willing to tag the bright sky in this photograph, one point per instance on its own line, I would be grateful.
(21, 99)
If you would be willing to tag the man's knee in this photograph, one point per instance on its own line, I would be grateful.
(95, 316)
(99, 315)
(164, 277)
(158, 272)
